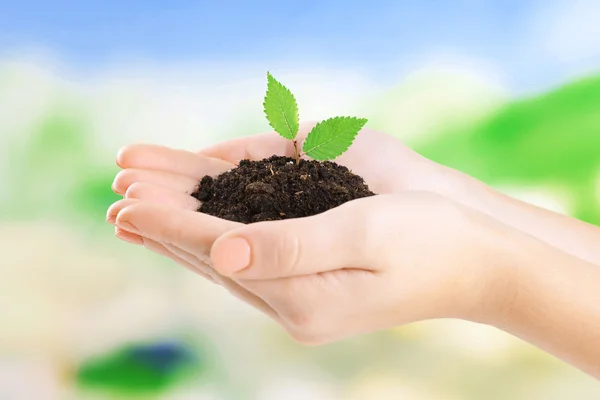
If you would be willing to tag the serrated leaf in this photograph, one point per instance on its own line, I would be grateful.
(332, 137)
(281, 108)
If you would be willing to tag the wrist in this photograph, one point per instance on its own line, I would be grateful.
(553, 303)
(496, 270)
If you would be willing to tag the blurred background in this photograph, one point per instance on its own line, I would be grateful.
(508, 91)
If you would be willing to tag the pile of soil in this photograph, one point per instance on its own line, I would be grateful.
(277, 188)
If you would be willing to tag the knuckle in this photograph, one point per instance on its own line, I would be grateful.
(309, 327)
(307, 320)
(301, 320)
(306, 340)
(370, 224)
(282, 251)
(290, 253)
(308, 330)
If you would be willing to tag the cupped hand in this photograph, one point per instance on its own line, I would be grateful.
(367, 265)
(372, 264)
(166, 177)
(157, 181)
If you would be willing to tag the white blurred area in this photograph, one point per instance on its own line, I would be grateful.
(29, 378)
(192, 105)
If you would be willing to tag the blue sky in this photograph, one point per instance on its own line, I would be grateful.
(383, 38)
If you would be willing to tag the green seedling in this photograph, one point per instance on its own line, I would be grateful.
(326, 141)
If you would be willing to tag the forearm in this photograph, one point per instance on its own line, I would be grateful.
(567, 234)
(554, 302)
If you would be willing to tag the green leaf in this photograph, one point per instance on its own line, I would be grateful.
(281, 108)
(332, 137)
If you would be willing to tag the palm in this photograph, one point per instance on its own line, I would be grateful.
(386, 165)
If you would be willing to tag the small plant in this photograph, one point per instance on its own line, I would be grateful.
(327, 140)
(275, 188)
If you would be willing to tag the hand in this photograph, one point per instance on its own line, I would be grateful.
(372, 264)
(156, 181)
(166, 177)
(399, 258)
(369, 264)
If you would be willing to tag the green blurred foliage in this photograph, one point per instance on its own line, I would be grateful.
(55, 167)
(552, 138)
(140, 368)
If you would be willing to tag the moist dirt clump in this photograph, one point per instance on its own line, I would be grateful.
(278, 188)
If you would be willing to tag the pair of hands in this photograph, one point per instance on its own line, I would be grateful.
(416, 251)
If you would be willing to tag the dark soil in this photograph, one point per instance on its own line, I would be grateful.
(276, 188)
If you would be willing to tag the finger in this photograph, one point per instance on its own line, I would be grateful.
(294, 247)
(128, 237)
(250, 298)
(161, 224)
(256, 147)
(159, 158)
(191, 231)
(201, 262)
(233, 287)
(160, 195)
(128, 177)
(158, 248)
(113, 210)
(202, 270)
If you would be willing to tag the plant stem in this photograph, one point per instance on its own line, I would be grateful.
(296, 150)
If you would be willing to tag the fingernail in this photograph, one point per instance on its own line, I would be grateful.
(129, 237)
(231, 255)
(127, 226)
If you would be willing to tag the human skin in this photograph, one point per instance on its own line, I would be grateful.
(434, 244)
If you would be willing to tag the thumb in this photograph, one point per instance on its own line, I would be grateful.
(277, 249)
